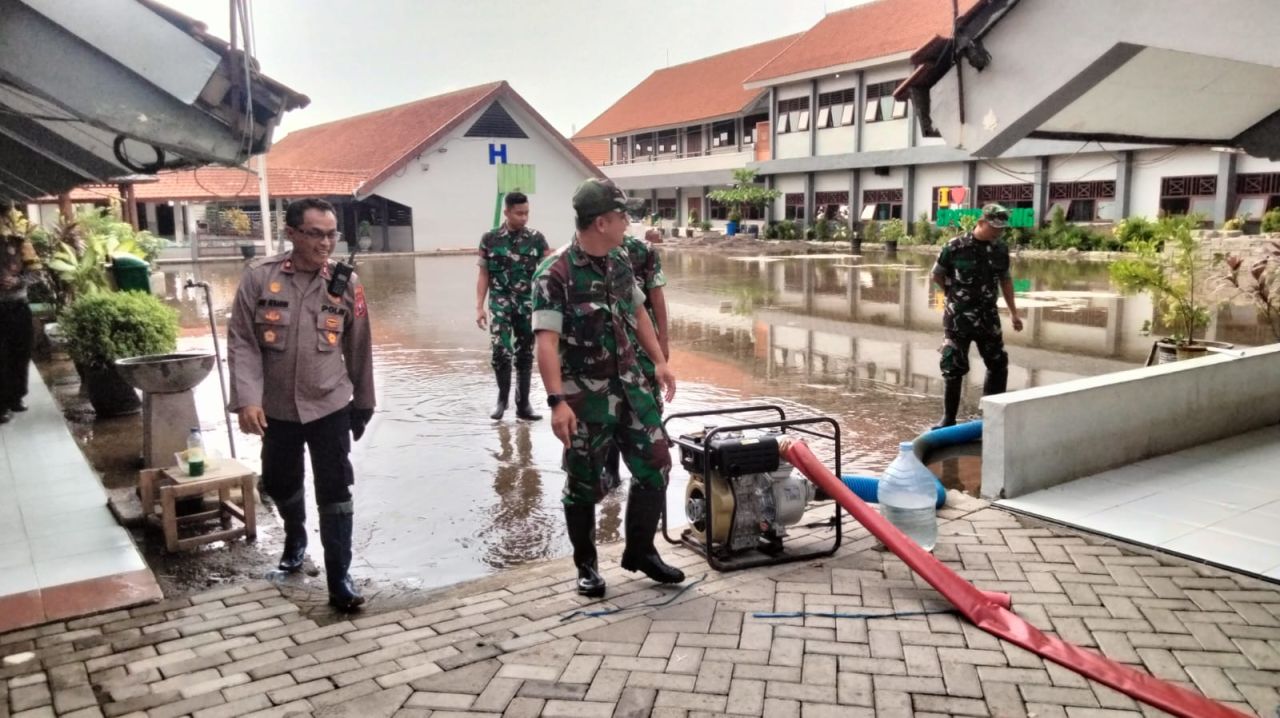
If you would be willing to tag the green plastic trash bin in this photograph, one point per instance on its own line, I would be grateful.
(131, 273)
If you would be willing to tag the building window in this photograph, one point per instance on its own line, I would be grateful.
(721, 211)
(668, 142)
(1020, 194)
(881, 106)
(667, 208)
(879, 205)
(644, 145)
(621, 150)
(835, 109)
(1258, 194)
(793, 115)
(693, 141)
(1188, 195)
(794, 202)
(749, 127)
(724, 134)
(829, 204)
(1084, 201)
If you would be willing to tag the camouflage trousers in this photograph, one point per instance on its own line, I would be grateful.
(955, 352)
(636, 430)
(510, 336)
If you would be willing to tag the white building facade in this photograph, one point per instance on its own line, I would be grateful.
(829, 135)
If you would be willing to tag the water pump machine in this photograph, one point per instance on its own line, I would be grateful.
(742, 496)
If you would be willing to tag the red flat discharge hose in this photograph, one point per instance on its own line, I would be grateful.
(999, 621)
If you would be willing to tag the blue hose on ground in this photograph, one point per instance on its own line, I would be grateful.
(867, 488)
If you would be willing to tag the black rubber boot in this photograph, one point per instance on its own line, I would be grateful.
(996, 382)
(335, 534)
(950, 402)
(644, 510)
(524, 410)
(581, 521)
(612, 468)
(294, 513)
(503, 375)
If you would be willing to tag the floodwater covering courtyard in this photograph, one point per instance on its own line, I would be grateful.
(444, 494)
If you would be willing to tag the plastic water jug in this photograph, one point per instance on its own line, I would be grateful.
(908, 493)
(195, 453)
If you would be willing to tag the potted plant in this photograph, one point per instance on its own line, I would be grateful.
(364, 234)
(1169, 266)
(79, 252)
(238, 223)
(1270, 222)
(695, 221)
(893, 231)
(1262, 287)
(731, 228)
(745, 194)
(103, 327)
(705, 226)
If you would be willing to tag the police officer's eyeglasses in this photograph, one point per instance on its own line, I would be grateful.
(320, 234)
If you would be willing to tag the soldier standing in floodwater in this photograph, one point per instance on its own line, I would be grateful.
(972, 269)
(509, 255)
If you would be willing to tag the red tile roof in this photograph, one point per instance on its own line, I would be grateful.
(212, 184)
(595, 150)
(863, 32)
(698, 90)
(345, 157)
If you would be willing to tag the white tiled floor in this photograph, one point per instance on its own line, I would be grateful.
(55, 527)
(1219, 502)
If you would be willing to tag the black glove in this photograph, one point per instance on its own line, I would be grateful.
(359, 420)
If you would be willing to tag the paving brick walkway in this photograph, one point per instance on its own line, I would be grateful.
(498, 646)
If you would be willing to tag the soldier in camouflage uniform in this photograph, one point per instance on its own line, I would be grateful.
(590, 327)
(647, 266)
(969, 270)
(508, 257)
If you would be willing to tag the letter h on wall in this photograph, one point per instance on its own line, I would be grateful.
(497, 152)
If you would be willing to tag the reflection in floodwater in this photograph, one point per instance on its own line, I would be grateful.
(444, 494)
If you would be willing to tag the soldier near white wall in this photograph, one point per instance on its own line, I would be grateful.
(301, 360)
(973, 269)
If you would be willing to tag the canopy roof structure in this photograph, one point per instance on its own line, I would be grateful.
(1171, 72)
(96, 92)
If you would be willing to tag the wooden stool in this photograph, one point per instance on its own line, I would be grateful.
(172, 484)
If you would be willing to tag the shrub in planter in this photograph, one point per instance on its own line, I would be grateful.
(1271, 221)
(1169, 266)
(101, 328)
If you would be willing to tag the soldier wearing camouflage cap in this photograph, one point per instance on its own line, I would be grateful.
(508, 257)
(969, 270)
(647, 266)
(589, 317)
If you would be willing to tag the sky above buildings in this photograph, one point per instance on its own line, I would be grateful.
(570, 59)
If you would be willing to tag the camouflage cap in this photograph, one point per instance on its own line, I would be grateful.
(596, 196)
(996, 215)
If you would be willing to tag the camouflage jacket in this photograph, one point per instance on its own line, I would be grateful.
(511, 259)
(974, 270)
(591, 302)
(647, 267)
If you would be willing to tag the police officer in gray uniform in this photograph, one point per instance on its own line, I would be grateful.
(301, 360)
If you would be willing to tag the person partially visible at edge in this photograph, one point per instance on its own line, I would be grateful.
(301, 361)
(972, 269)
(590, 327)
(509, 255)
(646, 264)
(19, 269)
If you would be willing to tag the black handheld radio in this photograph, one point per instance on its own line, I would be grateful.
(340, 276)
